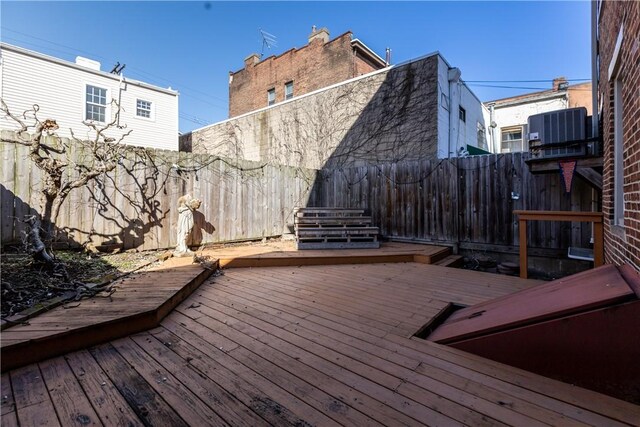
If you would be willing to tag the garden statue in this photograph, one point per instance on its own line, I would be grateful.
(186, 206)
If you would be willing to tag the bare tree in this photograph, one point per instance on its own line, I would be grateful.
(62, 173)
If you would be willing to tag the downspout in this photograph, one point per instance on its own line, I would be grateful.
(594, 69)
(492, 126)
(119, 100)
(594, 98)
(453, 76)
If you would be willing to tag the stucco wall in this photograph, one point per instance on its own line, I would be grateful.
(389, 115)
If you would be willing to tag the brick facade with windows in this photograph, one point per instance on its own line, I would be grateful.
(319, 64)
(619, 25)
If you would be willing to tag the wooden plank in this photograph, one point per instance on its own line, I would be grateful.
(7, 404)
(70, 401)
(353, 373)
(33, 404)
(147, 404)
(590, 406)
(108, 403)
(269, 400)
(233, 411)
(183, 401)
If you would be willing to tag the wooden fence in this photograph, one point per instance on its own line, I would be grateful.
(466, 201)
(136, 205)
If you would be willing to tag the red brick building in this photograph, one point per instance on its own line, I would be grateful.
(319, 64)
(618, 71)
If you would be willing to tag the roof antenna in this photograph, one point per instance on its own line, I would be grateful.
(117, 69)
(268, 40)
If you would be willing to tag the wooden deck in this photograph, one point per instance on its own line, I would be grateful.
(139, 303)
(284, 253)
(303, 345)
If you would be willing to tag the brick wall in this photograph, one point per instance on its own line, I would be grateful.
(311, 67)
(622, 243)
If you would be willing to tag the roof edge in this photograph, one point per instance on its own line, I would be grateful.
(70, 64)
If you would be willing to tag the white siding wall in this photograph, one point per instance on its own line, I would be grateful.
(451, 97)
(59, 90)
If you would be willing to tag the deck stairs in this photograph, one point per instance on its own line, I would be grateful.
(334, 228)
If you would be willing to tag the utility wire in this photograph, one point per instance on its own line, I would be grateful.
(517, 87)
(72, 50)
(523, 81)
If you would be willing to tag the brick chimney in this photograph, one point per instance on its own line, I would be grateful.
(252, 59)
(558, 81)
(321, 34)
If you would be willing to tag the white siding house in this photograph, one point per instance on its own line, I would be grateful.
(71, 93)
(462, 118)
(510, 115)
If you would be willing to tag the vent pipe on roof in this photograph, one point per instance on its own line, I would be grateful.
(89, 63)
(388, 56)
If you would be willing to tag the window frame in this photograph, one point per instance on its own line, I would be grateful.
(86, 103)
(462, 113)
(151, 110)
(618, 154)
(481, 130)
(271, 102)
(512, 129)
(288, 96)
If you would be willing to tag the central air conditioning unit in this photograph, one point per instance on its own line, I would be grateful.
(560, 133)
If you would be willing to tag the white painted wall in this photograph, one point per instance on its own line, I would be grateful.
(518, 114)
(454, 133)
(58, 87)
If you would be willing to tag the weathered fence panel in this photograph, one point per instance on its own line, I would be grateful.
(467, 201)
(136, 205)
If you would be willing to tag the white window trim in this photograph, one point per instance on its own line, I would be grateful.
(618, 141)
(274, 97)
(152, 115)
(285, 90)
(614, 64)
(107, 110)
(618, 155)
(512, 129)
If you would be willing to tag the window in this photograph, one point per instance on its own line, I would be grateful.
(618, 159)
(482, 136)
(288, 90)
(143, 108)
(271, 96)
(96, 104)
(463, 114)
(511, 140)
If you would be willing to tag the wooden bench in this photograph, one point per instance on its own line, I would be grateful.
(334, 228)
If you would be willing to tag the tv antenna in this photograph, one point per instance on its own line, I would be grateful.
(268, 40)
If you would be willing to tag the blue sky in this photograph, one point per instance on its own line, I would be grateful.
(192, 46)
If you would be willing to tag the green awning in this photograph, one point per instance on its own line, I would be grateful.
(475, 151)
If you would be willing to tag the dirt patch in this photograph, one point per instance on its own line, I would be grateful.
(27, 284)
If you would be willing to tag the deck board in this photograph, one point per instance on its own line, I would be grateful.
(139, 302)
(304, 345)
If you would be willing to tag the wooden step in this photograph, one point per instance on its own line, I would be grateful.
(337, 231)
(309, 221)
(338, 245)
(310, 212)
(454, 261)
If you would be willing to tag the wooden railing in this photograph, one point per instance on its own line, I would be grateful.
(595, 217)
